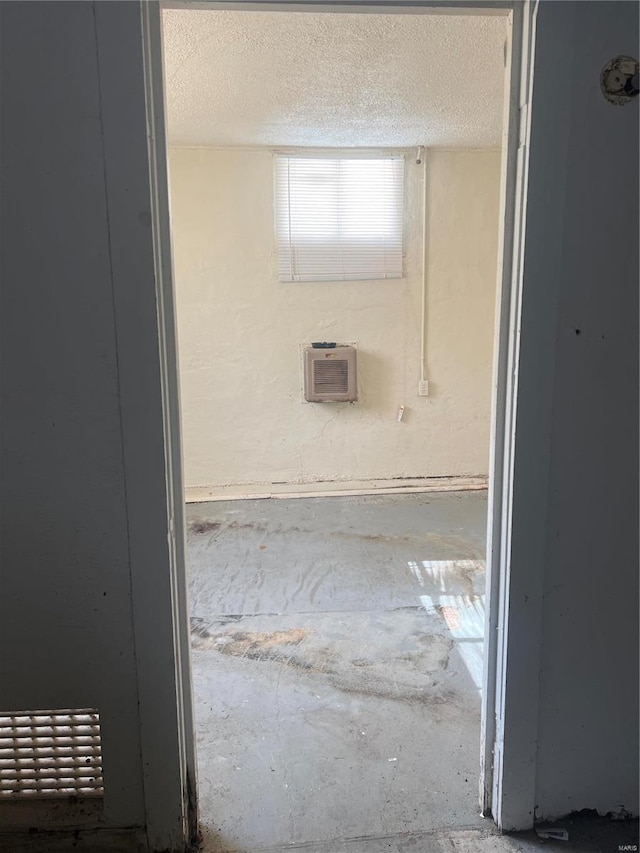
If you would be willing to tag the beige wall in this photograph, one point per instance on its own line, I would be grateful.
(240, 331)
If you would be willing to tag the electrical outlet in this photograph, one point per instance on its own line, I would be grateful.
(423, 388)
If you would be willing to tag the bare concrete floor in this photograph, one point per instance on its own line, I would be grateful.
(337, 660)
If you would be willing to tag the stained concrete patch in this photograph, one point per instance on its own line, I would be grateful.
(200, 526)
(204, 526)
(407, 652)
(258, 645)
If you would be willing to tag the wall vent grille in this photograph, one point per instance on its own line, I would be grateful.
(330, 374)
(331, 377)
(50, 754)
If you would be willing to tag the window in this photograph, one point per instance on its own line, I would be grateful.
(339, 219)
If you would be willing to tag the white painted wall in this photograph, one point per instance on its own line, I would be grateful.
(240, 330)
(85, 610)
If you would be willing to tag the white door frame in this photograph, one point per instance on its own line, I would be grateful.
(495, 765)
(159, 821)
(507, 784)
(515, 146)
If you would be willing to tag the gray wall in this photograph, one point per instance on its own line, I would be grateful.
(579, 359)
(86, 617)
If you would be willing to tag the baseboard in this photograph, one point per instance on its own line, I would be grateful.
(64, 841)
(333, 488)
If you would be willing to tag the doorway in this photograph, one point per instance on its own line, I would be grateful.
(214, 521)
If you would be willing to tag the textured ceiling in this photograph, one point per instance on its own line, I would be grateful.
(309, 78)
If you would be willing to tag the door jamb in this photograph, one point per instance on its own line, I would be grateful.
(152, 44)
(516, 127)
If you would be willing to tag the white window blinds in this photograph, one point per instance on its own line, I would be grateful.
(339, 219)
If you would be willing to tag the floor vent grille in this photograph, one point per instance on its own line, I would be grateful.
(50, 754)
